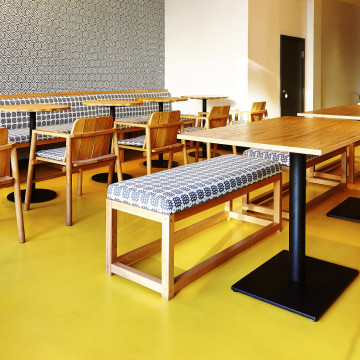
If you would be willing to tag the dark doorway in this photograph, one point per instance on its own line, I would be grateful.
(292, 75)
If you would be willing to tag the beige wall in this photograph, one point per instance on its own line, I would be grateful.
(340, 59)
(206, 51)
(267, 21)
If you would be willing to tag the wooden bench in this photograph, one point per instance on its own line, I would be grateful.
(320, 176)
(172, 195)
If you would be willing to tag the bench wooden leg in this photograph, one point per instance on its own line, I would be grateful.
(111, 236)
(167, 258)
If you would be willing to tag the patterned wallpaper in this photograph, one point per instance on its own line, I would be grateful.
(81, 45)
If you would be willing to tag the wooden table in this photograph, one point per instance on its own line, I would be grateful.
(204, 98)
(37, 195)
(345, 112)
(292, 280)
(112, 104)
(161, 163)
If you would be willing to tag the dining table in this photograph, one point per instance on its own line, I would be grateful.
(37, 195)
(349, 209)
(112, 104)
(160, 162)
(204, 99)
(291, 279)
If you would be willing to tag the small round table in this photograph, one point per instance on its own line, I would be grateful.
(102, 177)
(37, 195)
(161, 163)
(204, 98)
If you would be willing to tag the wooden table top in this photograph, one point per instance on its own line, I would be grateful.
(33, 107)
(112, 102)
(348, 112)
(205, 97)
(161, 99)
(316, 136)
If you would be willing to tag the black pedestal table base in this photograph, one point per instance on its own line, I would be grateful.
(161, 164)
(349, 209)
(103, 177)
(37, 195)
(322, 285)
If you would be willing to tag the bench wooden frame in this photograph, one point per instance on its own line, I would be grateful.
(169, 285)
(336, 182)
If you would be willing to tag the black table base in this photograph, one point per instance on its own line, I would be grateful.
(37, 195)
(311, 297)
(161, 164)
(349, 209)
(103, 178)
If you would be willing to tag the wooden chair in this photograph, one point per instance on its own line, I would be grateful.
(218, 116)
(257, 112)
(7, 155)
(160, 137)
(87, 146)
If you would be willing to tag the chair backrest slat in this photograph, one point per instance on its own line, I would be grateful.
(217, 111)
(4, 154)
(92, 146)
(166, 135)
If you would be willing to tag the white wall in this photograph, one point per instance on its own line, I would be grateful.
(267, 21)
(206, 51)
(340, 60)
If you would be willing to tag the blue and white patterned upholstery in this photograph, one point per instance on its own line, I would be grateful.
(135, 141)
(174, 190)
(54, 154)
(18, 122)
(282, 157)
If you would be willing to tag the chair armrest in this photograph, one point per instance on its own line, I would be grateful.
(51, 133)
(128, 123)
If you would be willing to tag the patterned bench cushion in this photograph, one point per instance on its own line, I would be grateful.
(282, 157)
(141, 119)
(54, 154)
(171, 191)
(135, 141)
(16, 122)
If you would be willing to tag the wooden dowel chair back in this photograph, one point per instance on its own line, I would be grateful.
(218, 116)
(8, 179)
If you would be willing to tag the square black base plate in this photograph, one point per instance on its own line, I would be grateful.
(349, 209)
(323, 284)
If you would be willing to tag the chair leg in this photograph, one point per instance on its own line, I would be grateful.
(197, 152)
(68, 194)
(29, 180)
(185, 154)
(208, 150)
(171, 155)
(214, 150)
(79, 182)
(234, 150)
(17, 196)
(111, 236)
(111, 172)
(167, 258)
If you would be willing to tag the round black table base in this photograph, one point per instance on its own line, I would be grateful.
(202, 155)
(161, 164)
(103, 178)
(37, 196)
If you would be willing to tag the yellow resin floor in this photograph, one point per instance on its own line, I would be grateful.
(56, 302)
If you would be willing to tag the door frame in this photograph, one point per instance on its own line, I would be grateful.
(302, 90)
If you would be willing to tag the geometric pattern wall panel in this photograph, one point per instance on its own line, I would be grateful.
(81, 45)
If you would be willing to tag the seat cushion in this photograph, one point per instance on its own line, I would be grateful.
(54, 154)
(174, 190)
(282, 157)
(135, 141)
